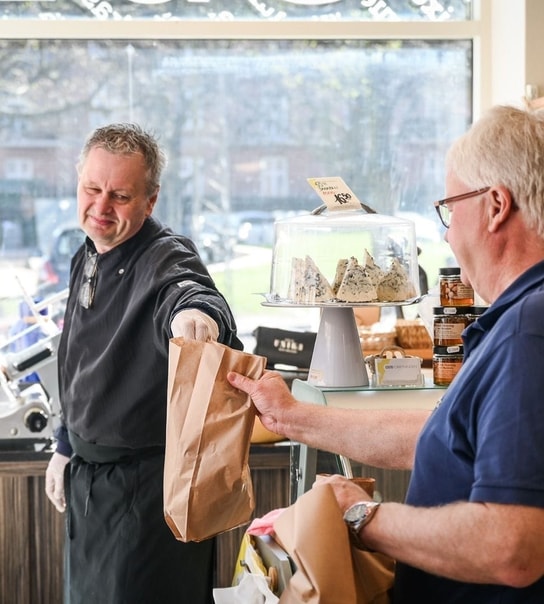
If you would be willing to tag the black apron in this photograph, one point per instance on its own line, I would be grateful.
(118, 548)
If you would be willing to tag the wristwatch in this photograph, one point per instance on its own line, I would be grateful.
(357, 515)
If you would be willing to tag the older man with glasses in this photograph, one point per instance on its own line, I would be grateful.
(134, 284)
(472, 526)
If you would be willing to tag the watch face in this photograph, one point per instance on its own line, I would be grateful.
(357, 512)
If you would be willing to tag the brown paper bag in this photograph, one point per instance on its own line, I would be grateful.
(207, 482)
(329, 569)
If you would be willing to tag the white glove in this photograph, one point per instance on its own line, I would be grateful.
(194, 324)
(54, 480)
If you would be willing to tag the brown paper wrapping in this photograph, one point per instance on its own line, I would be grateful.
(329, 569)
(207, 482)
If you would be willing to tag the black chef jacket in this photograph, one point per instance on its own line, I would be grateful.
(113, 356)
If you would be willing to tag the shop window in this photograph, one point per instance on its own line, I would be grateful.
(246, 112)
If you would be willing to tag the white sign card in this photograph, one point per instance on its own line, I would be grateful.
(335, 193)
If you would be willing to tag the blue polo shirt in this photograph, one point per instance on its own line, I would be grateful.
(484, 442)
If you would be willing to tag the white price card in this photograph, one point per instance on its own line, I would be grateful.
(398, 372)
(335, 193)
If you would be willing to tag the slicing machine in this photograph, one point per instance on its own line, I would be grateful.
(29, 391)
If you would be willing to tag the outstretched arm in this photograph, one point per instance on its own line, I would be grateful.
(382, 438)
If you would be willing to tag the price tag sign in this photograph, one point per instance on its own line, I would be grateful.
(398, 372)
(335, 193)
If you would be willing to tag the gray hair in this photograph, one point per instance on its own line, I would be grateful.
(124, 139)
(505, 147)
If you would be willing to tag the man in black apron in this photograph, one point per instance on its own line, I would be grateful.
(134, 284)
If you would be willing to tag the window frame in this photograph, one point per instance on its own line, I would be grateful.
(478, 30)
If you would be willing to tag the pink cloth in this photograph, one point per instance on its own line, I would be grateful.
(265, 525)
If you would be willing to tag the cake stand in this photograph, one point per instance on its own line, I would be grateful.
(337, 359)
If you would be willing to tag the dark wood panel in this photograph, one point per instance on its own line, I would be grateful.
(31, 541)
(46, 545)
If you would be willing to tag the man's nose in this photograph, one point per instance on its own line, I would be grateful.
(103, 202)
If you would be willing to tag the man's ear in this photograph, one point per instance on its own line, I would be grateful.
(151, 203)
(500, 206)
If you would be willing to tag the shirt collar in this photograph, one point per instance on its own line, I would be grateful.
(531, 280)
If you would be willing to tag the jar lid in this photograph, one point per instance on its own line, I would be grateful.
(449, 271)
(459, 310)
(448, 350)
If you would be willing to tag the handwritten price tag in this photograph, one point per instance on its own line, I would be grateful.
(335, 193)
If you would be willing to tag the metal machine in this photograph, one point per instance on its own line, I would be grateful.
(29, 391)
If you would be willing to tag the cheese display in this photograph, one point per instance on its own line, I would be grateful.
(353, 282)
(344, 257)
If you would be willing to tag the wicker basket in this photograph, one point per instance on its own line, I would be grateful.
(413, 334)
(376, 340)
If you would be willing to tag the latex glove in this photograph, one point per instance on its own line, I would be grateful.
(193, 324)
(54, 480)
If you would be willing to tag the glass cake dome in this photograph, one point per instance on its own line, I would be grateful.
(344, 257)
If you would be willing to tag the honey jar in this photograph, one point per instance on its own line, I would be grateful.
(449, 322)
(452, 291)
(447, 361)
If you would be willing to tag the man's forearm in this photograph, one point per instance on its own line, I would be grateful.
(381, 438)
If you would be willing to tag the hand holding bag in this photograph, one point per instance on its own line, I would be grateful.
(207, 481)
(329, 569)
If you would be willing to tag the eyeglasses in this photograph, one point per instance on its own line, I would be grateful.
(444, 212)
(88, 286)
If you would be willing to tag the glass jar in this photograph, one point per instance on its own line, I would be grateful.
(452, 291)
(447, 361)
(449, 322)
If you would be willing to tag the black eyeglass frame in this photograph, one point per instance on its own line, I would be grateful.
(88, 285)
(442, 203)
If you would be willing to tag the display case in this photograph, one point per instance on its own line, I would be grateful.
(337, 260)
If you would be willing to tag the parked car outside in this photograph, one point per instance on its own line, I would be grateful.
(214, 234)
(54, 272)
(256, 228)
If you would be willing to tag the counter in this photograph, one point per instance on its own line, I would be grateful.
(32, 535)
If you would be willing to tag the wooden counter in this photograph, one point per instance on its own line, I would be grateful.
(31, 535)
(32, 531)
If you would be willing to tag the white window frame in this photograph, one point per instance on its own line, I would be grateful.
(477, 29)
(506, 35)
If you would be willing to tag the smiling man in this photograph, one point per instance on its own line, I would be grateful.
(134, 284)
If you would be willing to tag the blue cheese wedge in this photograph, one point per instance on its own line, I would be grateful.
(308, 285)
(297, 291)
(356, 284)
(341, 267)
(395, 285)
(375, 273)
(318, 289)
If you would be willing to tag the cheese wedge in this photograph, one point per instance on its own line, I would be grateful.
(395, 285)
(318, 289)
(375, 273)
(296, 289)
(308, 284)
(341, 266)
(356, 285)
